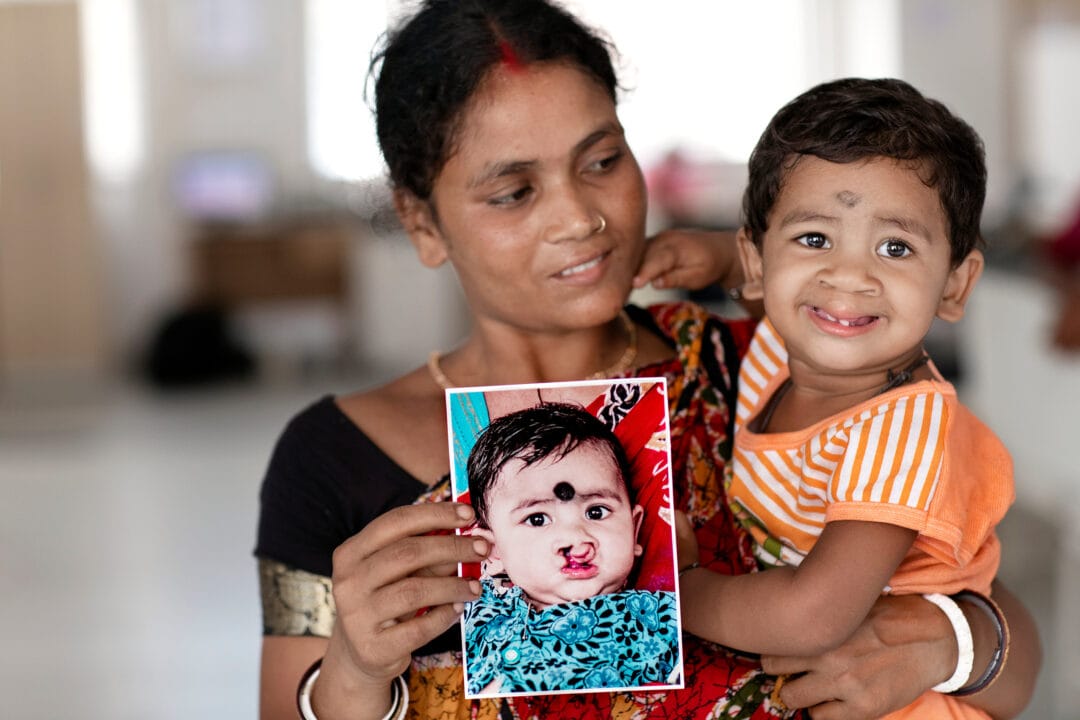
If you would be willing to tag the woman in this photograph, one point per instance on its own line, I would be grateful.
(498, 123)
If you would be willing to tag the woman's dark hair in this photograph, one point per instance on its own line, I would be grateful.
(430, 66)
(531, 435)
(854, 119)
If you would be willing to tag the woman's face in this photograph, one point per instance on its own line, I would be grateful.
(539, 158)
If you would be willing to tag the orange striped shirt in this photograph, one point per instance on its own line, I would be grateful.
(912, 456)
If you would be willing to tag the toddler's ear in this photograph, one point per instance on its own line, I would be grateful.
(419, 222)
(750, 256)
(958, 287)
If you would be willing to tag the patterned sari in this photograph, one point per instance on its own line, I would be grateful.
(719, 683)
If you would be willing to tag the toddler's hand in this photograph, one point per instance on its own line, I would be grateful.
(687, 541)
(690, 259)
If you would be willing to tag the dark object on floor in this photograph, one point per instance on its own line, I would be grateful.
(194, 346)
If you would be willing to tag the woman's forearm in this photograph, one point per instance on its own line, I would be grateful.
(1012, 690)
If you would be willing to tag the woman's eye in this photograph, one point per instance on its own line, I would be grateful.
(511, 198)
(605, 163)
(894, 249)
(537, 520)
(813, 240)
(597, 512)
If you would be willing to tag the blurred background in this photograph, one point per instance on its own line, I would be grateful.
(196, 242)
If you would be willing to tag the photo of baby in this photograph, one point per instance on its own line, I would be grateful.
(571, 486)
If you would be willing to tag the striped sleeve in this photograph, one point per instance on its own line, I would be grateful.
(893, 453)
(766, 358)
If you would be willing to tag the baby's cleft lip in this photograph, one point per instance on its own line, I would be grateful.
(580, 570)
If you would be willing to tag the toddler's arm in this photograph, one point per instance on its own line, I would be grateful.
(803, 610)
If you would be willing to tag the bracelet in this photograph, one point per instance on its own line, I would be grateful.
(965, 645)
(399, 695)
(735, 293)
(1001, 652)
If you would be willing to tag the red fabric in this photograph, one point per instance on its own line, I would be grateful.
(650, 487)
(1064, 248)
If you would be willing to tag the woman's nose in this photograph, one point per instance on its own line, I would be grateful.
(571, 217)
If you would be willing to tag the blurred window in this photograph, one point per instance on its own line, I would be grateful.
(340, 35)
(702, 75)
(112, 90)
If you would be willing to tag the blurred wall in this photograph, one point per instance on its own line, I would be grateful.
(52, 280)
(230, 75)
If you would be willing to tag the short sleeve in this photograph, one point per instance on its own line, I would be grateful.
(886, 463)
(325, 482)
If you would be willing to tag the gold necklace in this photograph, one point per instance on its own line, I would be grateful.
(624, 363)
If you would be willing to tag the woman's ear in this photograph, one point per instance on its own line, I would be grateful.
(959, 285)
(750, 256)
(418, 219)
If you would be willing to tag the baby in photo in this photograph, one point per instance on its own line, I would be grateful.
(551, 487)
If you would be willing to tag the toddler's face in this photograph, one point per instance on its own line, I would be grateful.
(564, 529)
(855, 266)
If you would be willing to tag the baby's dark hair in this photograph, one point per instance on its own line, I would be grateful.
(430, 66)
(531, 435)
(855, 119)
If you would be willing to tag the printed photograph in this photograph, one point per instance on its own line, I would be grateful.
(571, 485)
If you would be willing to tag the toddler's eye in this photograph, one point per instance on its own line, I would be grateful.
(813, 240)
(894, 249)
(537, 520)
(597, 512)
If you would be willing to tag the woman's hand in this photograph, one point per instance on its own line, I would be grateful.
(905, 646)
(690, 259)
(396, 588)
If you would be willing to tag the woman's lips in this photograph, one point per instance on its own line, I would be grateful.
(585, 270)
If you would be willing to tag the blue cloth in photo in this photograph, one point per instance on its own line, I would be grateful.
(619, 640)
(469, 417)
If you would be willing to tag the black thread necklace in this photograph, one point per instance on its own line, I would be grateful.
(893, 380)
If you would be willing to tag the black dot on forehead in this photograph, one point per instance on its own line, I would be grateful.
(564, 491)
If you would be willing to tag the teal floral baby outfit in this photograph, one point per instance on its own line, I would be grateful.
(619, 640)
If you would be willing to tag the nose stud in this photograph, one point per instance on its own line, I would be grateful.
(602, 226)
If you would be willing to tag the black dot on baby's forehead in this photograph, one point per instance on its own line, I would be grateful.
(564, 491)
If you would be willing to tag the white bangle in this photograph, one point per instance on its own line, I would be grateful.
(965, 656)
(399, 697)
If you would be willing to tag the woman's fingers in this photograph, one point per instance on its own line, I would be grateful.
(391, 644)
(406, 521)
(803, 691)
(415, 596)
(785, 665)
(396, 586)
